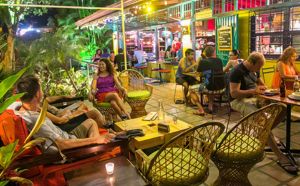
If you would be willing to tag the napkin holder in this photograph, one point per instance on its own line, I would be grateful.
(163, 127)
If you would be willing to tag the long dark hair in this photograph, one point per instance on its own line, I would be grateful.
(109, 67)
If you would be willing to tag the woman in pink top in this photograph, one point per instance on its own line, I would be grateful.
(106, 87)
(286, 68)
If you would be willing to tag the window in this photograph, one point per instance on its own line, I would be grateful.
(269, 22)
(275, 30)
(269, 45)
(295, 18)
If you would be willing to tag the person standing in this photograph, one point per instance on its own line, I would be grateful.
(97, 56)
(138, 55)
(119, 60)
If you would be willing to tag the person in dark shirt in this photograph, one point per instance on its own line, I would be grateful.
(245, 83)
(119, 59)
(105, 54)
(209, 66)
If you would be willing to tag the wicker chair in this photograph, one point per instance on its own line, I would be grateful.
(242, 147)
(138, 92)
(103, 107)
(184, 159)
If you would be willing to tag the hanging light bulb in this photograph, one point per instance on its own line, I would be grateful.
(166, 2)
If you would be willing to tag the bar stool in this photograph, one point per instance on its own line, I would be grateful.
(141, 69)
(163, 71)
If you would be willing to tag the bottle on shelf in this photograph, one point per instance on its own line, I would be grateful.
(282, 88)
(296, 85)
(161, 111)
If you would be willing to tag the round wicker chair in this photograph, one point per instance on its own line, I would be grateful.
(184, 159)
(138, 92)
(103, 107)
(242, 147)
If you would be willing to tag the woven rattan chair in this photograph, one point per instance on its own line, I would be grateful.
(184, 159)
(138, 92)
(243, 146)
(104, 107)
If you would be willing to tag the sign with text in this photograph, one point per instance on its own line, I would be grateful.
(225, 38)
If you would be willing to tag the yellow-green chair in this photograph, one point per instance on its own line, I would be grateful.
(138, 92)
(239, 149)
(184, 159)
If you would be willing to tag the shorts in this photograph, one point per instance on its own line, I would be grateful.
(101, 96)
(73, 123)
(189, 79)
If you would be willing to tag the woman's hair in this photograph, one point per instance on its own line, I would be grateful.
(235, 52)
(287, 54)
(109, 67)
(97, 51)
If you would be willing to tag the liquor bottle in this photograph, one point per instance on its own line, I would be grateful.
(282, 88)
(161, 111)
(296, 85)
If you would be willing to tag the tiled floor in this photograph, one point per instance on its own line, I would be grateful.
(264, 173)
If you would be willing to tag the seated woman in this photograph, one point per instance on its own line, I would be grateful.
(286, 68)
(106, 88)
(233, 60)
(97, 56)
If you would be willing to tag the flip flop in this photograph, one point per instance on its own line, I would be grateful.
(289, 167)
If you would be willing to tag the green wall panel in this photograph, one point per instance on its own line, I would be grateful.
(227, 21)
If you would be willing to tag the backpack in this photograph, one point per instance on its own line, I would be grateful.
(13, 127)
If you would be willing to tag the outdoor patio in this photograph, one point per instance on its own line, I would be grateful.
(264, 173)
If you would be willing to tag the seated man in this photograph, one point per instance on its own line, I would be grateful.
(85, 134)
(245, 83)
(62, 116)
(210, 66)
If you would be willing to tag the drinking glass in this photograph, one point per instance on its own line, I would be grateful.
(109, 168)
(175, 119)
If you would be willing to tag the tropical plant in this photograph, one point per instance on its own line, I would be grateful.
(54, 50)
(8, 153)
(10, 17)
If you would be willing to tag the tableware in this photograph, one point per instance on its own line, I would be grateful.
(109, 168)
(271, 92)
(296, 95)
(291, 96)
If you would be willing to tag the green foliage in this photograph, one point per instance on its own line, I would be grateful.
(61, 84)
(6, 85)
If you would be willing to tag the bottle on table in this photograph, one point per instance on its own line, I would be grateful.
(282, 88)
(296, 85)
(161, 111)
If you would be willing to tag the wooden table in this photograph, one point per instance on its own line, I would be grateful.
(152, 136)
(289, 103)
(95, 174)
(195, 75)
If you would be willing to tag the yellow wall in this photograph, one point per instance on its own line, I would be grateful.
(244, 33)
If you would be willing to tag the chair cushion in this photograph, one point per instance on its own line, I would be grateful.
(103, 104)
(138, 94)
(243, 148)
(179, 165)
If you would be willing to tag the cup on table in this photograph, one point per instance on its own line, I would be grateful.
(109, 168)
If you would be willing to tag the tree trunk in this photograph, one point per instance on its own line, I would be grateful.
(8, 60)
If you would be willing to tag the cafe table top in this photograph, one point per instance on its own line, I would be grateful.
(285, 99)
(152, 136)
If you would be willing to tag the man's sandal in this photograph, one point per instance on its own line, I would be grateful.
(289, 167)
